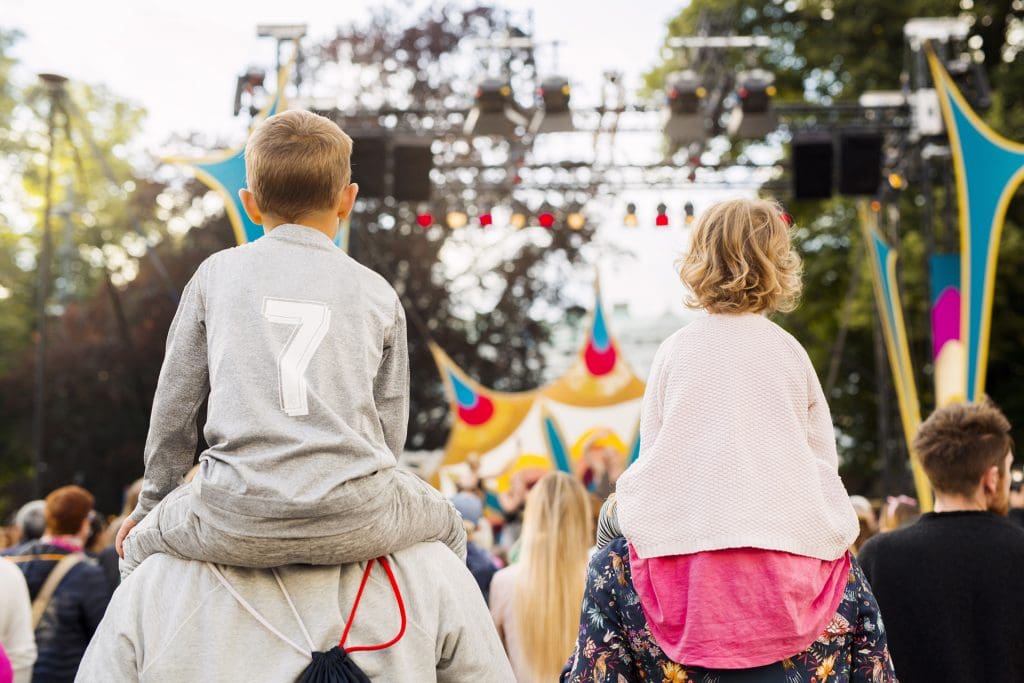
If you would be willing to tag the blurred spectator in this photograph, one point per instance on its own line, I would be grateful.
(69, 591)
(898, 512)
(867, 519)
(480, 562)
(16, 637)
(30, 521)
(1017, 495)
(107, 557)
(950, 584)
(536, 602)
(602, 463)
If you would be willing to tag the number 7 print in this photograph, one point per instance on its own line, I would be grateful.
(311, 320)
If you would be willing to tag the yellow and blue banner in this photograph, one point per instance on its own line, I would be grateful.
(989, 168)
(890, 310)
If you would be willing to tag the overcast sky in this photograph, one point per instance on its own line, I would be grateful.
(179, 59)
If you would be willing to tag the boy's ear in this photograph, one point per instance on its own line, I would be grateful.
(347, 199)
(249, 203)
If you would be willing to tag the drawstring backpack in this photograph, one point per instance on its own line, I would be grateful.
(334, 665)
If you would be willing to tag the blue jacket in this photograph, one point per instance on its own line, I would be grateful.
(73, 614)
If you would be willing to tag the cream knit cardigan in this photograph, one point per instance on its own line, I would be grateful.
(737, 448)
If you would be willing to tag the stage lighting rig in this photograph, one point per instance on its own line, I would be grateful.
(554, 115)
(684, 116)
(494, 110)
(247, 84)
(753, 117)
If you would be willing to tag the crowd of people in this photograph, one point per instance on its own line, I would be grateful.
(296, 549)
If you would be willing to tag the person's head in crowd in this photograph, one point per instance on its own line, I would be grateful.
(1017, 488)
(898, 512)
(741, 260)
(97, 539)
(131, 497)
(556, 539)
(966, 450)
(866, 518)
(67, 512)
(298, 166)
(471, 508)
(30, 520)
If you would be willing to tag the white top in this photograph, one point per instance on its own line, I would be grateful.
(178, 620)
(16, 633)
(737, 448)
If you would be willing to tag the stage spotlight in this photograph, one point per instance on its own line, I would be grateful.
(684, 120)
(517, 220)
(485, 219)
(629, 219)
(456, 219)
(424, 220)
(554, 115)
(753, 118)
(661, 220)
(688, 210)
(575, 220)
(546, 219)
(494, 112)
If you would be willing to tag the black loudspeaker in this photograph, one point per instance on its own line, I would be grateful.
(369, 164)
(813, 154)
(860, 162)
(413, 161)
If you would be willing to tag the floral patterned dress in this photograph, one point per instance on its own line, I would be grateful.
(615, 645)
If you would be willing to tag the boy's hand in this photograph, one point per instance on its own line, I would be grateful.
(127, 525)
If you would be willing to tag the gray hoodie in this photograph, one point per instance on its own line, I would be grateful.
(173, 620)
(303, 354)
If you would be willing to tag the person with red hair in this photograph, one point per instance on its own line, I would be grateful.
(69, 591)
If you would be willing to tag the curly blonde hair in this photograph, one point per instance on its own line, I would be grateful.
(741, 260)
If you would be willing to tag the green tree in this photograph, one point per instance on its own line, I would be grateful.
(833, 50)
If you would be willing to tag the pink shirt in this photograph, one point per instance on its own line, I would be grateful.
(737, 608)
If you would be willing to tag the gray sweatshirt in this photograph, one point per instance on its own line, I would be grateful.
(172, 620)
(303, 354)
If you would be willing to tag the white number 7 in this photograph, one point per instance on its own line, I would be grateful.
(311, 320)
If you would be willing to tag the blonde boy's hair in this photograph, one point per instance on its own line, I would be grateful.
(296, 163)
(741, 260)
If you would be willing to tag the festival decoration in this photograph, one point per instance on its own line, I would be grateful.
(887, 296)
(989, 168)
(947, 348)
(595, 403)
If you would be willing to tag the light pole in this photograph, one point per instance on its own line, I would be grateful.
(54, 85)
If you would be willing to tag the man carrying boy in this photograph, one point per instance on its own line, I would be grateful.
(303, 355)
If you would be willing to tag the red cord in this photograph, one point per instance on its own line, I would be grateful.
(355, 605)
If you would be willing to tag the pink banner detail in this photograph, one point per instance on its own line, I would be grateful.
(945, 319)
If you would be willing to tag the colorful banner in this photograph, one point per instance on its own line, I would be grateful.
(989, 168)
(600, 376)
(947, 348)
(887, 296)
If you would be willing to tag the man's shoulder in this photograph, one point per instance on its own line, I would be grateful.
(435, 555)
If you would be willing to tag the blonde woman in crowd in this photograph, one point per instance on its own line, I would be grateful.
(536, 602)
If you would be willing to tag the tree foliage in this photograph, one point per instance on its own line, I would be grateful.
(833, 50)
